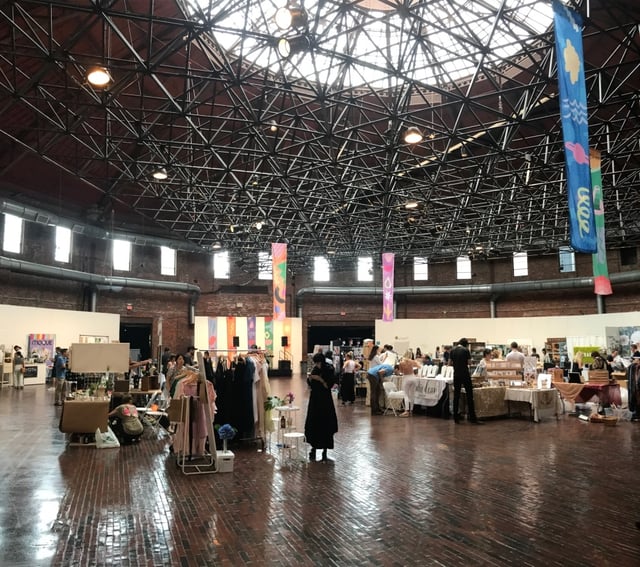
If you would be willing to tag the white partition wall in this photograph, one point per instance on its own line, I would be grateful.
(533, 331)
(19, 322)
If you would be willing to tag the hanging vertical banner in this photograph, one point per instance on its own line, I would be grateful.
(387, 286)
(268, 334)
(575, 127)
(231, 332)
(279, 270)
(212, 324)
(251, 331)
(601, 281)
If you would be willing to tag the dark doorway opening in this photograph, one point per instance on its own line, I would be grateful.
(338, 335)
(138, 335)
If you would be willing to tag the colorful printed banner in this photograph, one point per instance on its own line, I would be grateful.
(213, 333)
(231, 332)
(42, 346)
(387, 286)
(268, 334)
(575, 127)
(251, 331)
(279, 270)
(601, 281)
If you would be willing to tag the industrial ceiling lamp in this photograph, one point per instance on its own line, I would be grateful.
(290, 16)
(288, 46)
(413, 135)
(99, 76)
(160, 174)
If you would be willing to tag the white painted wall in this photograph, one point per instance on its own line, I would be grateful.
(533, 331)
(18, 322)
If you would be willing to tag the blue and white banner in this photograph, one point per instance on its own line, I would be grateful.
(575, 127)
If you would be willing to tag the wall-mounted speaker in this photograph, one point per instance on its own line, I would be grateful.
(284, 341)
(236, 341)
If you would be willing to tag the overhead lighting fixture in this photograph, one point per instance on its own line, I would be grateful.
(290, 17)
(216, 245)
(274, 126)
(258, 225)
(413, 135)
(288, 46)
(411, 205)
(99, 76)
(160, 174)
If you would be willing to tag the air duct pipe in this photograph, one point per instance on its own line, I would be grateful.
(96, 280)
(40, 216)
(494, 290)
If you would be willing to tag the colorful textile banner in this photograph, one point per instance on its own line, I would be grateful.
(387, 286)
(213, 333)
(251, 331)
(231, 332)
(279, 270)
(268, 334)
(575, 127)
(601, 281)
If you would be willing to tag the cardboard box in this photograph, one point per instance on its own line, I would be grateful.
(225, 461)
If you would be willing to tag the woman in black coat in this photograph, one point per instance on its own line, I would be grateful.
(321, 423)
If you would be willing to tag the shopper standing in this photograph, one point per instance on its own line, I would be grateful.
(321, 422)
(18, 368)
(460, 359)
(348, 381)
(61, 376)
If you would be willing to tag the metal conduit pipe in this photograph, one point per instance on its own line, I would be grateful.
(95, 280)
(479, 289)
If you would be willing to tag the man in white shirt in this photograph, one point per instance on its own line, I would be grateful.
(515, 355)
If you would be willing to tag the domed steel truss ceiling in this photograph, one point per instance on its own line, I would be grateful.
(310, 148)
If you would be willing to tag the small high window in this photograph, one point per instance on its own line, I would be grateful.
(321, 269)
(520, 264)
(463, 268)
(221, 267)
(122, 255)
(420, 268)
(265, 266)
(12, 238)
(63, 245)
(365, 269)
(167, 261)
(567, 258)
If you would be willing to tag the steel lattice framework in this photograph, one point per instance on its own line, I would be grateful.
(309, 149)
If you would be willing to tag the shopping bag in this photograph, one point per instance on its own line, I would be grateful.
(106, 440)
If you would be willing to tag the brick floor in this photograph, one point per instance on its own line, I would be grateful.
(418, 491)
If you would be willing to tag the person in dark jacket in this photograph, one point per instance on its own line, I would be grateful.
(321, 423)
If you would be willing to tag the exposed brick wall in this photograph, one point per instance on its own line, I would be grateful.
(94, 256)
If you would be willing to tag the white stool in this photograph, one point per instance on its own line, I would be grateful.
(276, 425)
(293, 448)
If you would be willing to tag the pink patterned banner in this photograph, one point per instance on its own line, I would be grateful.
(387, 286)
(279, 263)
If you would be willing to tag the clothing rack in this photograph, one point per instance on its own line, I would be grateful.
(208, 463)
(246, 353)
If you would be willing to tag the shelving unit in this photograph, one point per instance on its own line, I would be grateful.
(7, 370)
(557, 347)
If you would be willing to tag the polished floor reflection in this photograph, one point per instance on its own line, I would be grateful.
(416, 491)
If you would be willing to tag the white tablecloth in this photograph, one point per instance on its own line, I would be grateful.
(544, 402)
(429, 391)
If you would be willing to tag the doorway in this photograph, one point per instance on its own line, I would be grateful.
(138, 335)
(323, 335)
